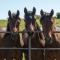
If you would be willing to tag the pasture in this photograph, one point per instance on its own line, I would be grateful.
(3, 23)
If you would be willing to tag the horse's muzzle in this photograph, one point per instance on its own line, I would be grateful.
(15, 29)
(32, 28)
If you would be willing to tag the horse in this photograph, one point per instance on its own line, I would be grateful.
(37, 54)
(48, 25)
(29, 37)
(52, 54)
(31, 26)
(12, 39)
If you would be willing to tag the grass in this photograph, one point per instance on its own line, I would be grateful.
(57, 22)
(3, 23)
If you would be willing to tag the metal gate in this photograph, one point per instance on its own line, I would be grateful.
(29, 48)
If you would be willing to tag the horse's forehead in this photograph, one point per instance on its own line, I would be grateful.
(30, 12)
(47, 14)
(29, 16)
(13, 14)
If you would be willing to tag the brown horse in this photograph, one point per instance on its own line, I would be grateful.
(12, 26)
(30, 37)
(37, 54)
(11, 40)
(31, 26)
(51, 38)
(52, 54)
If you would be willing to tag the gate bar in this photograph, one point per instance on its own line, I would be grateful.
(26, 31)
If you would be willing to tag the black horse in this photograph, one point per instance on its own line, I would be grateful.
(11, 40)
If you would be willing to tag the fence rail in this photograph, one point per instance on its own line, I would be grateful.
(30, 48)
(26, 32)
(33, 48)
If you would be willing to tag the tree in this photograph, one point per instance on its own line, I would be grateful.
(58, 15)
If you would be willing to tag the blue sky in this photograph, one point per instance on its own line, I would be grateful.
(13, 5)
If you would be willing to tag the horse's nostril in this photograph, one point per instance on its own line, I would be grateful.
(31, 27)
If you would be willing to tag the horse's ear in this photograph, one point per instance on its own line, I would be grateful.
(9, 13)
(34, 10)
(42, 12)
(25, 10)
(52, 12)
(18, 13)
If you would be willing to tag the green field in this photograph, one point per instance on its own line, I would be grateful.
(3, 23)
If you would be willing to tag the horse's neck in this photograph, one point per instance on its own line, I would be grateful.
(50, 33)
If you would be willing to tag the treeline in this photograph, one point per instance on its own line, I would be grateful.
(57, 16)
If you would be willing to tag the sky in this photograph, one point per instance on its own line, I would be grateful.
(14, 5)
